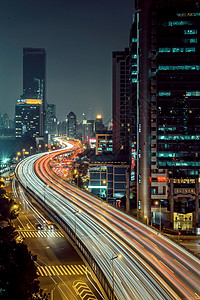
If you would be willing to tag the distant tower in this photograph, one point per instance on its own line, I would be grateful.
(99, 123)
(34, 77)
(51, 120)
(71, 125)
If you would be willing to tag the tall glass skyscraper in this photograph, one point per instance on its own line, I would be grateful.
(167, 110)
(34, 77)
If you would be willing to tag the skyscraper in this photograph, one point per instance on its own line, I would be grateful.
(27, 118)
(121, 103)
(34, 77)
(167, 100)
(51, 120)
(71, 125)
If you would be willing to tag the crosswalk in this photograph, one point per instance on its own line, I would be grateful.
(36, 234)
(61, 270)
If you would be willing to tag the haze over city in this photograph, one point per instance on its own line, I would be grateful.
(78, 36)
(100, 162)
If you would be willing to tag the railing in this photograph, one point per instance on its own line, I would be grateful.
(95, 268)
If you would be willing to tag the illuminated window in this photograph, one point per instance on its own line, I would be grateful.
(193, 93)
(179, 137)
(179, 163)
(177, 50)
(190, 41)
(164, 93)
(164, 49)
(179, 23)
(194, 14)
(180, 67)
(190, 31)
(134, 40)
(190, 49)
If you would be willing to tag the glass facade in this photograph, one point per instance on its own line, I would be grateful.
(108, 181)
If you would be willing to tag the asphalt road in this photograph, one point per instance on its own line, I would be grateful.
(62, 273)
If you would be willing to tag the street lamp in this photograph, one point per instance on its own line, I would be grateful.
(46, 185)
(30, 150)
(23, 151)
(113, 279)
(75, 213)
(159, 203)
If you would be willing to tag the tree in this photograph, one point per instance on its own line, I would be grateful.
(9, 209)
(8, 234)
(18, 277)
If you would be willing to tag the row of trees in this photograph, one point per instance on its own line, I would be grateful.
(18, 277)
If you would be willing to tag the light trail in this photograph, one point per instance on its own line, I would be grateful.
(150, 267)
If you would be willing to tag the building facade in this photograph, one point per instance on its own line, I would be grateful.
(121, 111)
(167, 101)
(71, 125)
(28, 118)
(51, 120)
(34, 78)
(108, 177)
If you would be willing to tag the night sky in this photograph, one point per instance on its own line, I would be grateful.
(79, 37)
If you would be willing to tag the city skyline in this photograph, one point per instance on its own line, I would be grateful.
(79, 41)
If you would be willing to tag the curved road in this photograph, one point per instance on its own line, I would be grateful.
(151, 267)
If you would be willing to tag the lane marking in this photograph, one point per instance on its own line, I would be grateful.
(55, 270)
(52, 271)
(181, 264)
(166, 266)
(47, 270)
(63, 270)
(59, 270)
(197, 295)
(40, 271)
(84, 270)
(43, 269)
(79, 269)
(67, 270)
(71, 270)
(74, 269)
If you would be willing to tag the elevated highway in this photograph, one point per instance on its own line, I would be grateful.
(151, 267)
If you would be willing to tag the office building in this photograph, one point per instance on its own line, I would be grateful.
(71, 125)
(27, 118)
(62, 128)
(98, 124)
(104, 143)
(167, 118)
(121, 111)
(108, 176)
(51, 120)
(34, 78)
(88, 130)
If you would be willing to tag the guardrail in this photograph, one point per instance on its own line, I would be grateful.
(94, 266)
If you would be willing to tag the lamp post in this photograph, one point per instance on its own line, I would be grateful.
(31, 148)
(23, 152)
(75, 213)
(46, 185)
(113, 278)
(160, 224)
